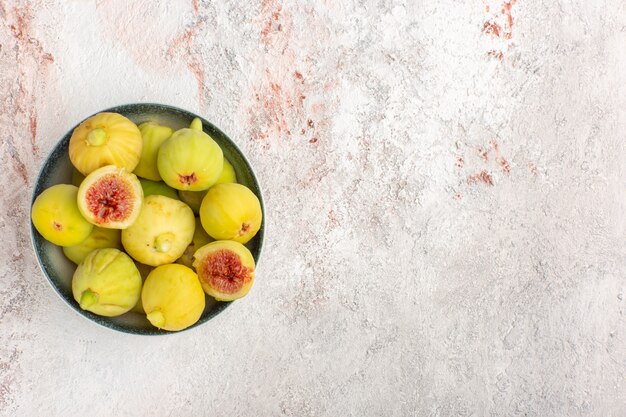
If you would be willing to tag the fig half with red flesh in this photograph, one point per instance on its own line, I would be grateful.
(110, 197)
(225, 269)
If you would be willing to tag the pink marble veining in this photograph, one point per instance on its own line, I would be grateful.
(443, 184)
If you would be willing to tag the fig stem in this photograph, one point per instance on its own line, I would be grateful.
(196, 124)
(87, 299)
(97, 137)
(156, 318)
(163, 242)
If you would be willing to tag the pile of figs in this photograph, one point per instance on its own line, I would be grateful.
(154, 219)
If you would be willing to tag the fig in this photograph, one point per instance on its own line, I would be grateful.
(200, 238)
(196, 124)
(190, 160)
(192, 198)
(162, 231)
(56, 216)
(107, 283)
(98, 239)
(153, 135)
(225, 269)
(231, 212)
(172, 297)
(105, 139)
(77, 177)
(228, 173)
(144, 270)
(110, 197)
(159, 188)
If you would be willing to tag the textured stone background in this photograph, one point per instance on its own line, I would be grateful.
(444, 183)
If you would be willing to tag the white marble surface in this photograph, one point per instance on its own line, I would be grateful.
(445, 193)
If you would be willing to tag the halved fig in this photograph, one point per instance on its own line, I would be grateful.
(225, 269)
(110, 197)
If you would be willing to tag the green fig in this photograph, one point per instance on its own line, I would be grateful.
(172, 297)
(57, 218)
(106, 283)
(192, 198)
(228, 173)
(190, 160)
(98, 239)
(153, 135)
(231, 212)
(105, 139)
(161, 233)
(157, 188)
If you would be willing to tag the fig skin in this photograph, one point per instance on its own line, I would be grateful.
(228, 174)
(105, 139)
(172, 297)
(225, 269)
(110, 197)
(144, 270)
(161, 233)
(192, 198)
(190, 160)
(98, 239)
(231, 212)
(57, 218)
(153, 135)
(200, 238)
(106, 283)
(157, 188)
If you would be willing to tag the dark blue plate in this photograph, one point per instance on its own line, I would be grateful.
(57, 169)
